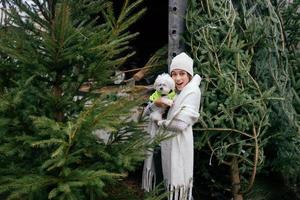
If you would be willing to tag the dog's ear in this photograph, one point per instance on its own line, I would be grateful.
(171, 83)
(156, 82)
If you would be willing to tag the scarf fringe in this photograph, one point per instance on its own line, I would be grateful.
(148, 180)
(180, 192)
(149, 175)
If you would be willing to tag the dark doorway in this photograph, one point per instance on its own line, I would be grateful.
(153, 29)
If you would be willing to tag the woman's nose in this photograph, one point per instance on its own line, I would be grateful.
(176, 77)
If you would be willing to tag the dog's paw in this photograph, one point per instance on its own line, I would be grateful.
(166, 101)
(155, 116)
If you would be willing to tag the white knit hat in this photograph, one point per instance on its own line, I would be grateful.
(184, 62)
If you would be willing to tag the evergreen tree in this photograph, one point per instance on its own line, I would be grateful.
(284, 149)
(48, 50)
(239, 47)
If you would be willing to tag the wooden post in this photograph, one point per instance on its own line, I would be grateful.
(177, 10)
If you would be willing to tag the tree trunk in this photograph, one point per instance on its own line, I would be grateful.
(235, 180)
(58, 114)
(57, 93)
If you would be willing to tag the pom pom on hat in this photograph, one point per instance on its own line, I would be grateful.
(184, 62)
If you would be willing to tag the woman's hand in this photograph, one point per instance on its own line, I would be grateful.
(163, 123)
(161, 103)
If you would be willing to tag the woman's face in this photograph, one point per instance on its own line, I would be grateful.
(181, 78)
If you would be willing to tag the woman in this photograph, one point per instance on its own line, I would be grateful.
(178, 151)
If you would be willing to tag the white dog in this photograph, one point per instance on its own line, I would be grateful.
(165, 89)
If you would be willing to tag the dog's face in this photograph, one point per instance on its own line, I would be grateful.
(164, 84)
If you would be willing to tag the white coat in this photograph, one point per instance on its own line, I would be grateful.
(178, 152)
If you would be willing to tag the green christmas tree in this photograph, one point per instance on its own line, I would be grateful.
(48, 49)
(240, 49)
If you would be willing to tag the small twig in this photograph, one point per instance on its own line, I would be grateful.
(212, 150)
(223, 129)
(136, 69)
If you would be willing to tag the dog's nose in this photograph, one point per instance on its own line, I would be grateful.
(161, 88)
